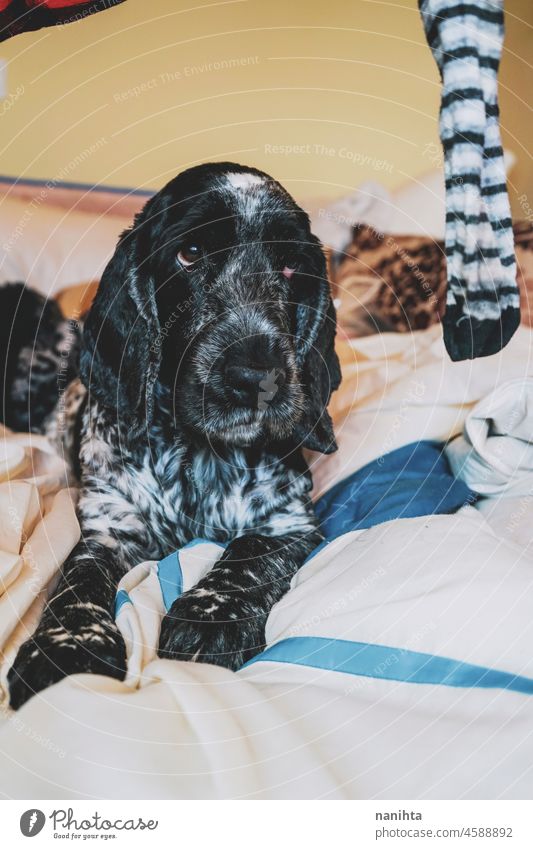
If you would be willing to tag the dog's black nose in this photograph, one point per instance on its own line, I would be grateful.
(252, 385)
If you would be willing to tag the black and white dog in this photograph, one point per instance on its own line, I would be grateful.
(207, 362)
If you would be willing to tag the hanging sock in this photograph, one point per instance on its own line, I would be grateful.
(483, 303)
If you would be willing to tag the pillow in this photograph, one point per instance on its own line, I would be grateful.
(50, 247)
(386, 282)
(417, 208)
(333, 221)
(75, 301)
(389, 283)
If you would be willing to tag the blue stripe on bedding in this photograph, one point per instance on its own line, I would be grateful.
(121, 599)
(390, 664)
(170, 572)
(415, 480)
(170, 578)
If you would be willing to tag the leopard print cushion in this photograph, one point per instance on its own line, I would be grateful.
(387, 283)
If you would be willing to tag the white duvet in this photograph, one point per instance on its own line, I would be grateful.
(380, 614)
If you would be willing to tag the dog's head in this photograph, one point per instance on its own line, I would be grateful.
(218, 291)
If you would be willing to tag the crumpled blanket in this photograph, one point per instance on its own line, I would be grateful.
(148, 590)
(308, 725)
(495, 453)
(446, 586)
(38, 529)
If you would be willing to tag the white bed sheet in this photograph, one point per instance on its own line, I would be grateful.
(445, 585)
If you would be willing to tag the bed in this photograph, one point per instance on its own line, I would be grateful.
(398, 665)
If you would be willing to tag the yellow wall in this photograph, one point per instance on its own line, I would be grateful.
(127, 96)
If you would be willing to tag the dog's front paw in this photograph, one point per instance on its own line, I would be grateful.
(53, 654)
(194, 631)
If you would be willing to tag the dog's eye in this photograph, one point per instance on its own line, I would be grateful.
(189, 254)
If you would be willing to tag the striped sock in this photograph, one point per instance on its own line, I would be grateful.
(483, 304)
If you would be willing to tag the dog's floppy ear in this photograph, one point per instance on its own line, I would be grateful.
(315, 351)
(120, 356)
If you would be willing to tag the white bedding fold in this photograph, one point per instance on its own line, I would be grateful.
(495, 454)
(38, 529)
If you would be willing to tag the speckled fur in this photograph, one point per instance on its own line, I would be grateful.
(170, 459)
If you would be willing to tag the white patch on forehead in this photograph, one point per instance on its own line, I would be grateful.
(243, 181)
(251, 194)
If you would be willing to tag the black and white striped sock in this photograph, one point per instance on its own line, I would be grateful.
(483, 304)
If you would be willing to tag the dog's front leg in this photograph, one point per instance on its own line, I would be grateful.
(77, 632)
(222, 619)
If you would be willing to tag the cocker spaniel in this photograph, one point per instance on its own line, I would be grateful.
(207, 362)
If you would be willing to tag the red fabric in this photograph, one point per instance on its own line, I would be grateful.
(18, 16)
(48, 4)
(57, 4)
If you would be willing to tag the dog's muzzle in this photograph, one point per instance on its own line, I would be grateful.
(246, 380)
(254, 371)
